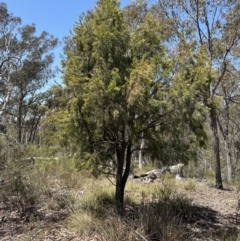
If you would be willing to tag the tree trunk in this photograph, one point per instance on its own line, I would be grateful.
(218, 176)
(20, 122)
(119, 195)
(225, 135)
(35, 129)
(140, 158)
(121, 178)
(19, 118)
(229, 161)
(6, 98)
(228, 152)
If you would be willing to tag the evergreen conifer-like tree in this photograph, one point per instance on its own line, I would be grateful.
(115, 77)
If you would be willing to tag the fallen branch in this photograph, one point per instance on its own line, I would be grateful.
(141, 236)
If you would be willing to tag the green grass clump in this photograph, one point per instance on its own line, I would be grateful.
(190, 185)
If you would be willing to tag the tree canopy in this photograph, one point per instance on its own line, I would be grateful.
(118, 77)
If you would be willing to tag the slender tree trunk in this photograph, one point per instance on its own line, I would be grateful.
(229, 161)
(140, 158)
(20, 121)
(32, 131)
(121, 177)
(119, 195)
(225, 134)
(35, 128)
(6, 98)
(228, 152)
(218, 176)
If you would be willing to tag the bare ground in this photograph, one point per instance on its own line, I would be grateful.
(215, 213)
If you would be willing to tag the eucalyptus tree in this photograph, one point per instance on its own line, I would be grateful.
(25, 67)
(228, 121)
(214, 26)
(29, 80)
(9, 62)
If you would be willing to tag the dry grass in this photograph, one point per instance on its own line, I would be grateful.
(154, 211)
(190, 185)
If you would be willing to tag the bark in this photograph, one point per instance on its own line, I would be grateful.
(6, 98)
(121, 178)
(218, 176)
(229, 161)
(119, 195)
(227, 150)
(140, 158)
(34, 129)
(20, 121)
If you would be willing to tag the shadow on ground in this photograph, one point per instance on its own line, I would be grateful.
(156, 218)
(197, 222)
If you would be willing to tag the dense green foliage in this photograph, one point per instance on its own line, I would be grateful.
(121, 90)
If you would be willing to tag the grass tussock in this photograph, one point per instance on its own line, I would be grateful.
(190, 185)
(154, 214)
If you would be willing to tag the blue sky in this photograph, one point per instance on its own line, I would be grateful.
(57, 17)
